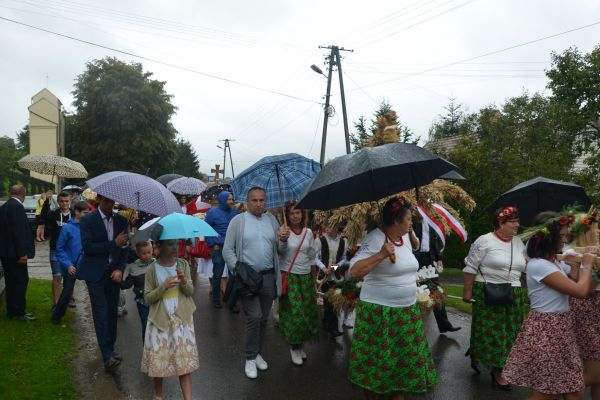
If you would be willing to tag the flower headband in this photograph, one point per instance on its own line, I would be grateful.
(397, 206)
(542, 231)
(507, 213)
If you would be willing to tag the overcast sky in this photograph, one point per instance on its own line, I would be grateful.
(402, 49)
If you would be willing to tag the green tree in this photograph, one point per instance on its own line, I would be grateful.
(122, 120)
(454, 123)
(23, 140)
(520, 141)
(9, 153)
(186, 159)
(575, 84)
(363, 132)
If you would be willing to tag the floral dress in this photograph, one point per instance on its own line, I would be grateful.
(170, 352)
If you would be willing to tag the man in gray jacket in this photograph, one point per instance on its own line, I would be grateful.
(255, 238)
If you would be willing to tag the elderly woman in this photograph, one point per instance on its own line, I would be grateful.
(298, 316)
(497, 257)
(545, 356)
(389, 354)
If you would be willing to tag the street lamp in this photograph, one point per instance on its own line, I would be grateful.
(317, 70)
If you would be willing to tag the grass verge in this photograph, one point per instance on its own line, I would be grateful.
(37, 357)
(456, 303)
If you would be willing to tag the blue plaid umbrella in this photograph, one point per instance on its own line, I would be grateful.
(135, 191)
(283, 177)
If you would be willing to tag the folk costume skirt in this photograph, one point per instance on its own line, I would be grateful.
(389, 350)
(298, 313)
(172, 352)
(545, 356)
(494, 329)
(586, 321)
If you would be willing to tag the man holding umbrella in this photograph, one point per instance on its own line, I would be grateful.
(219, 218)
(104, 239)
(253, 240)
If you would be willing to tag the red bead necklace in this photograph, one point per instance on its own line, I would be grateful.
(499, 236)
(397, 244)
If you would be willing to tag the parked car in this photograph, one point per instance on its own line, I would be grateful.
(30, 203)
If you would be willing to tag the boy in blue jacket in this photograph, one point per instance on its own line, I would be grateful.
(219, 218)
(68, 252)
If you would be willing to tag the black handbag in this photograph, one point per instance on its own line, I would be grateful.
(498, 294)
(251, 281)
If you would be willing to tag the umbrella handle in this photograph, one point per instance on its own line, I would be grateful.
(284, 217)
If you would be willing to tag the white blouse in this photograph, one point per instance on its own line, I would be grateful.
(493, 256)
(392, 285)
(306, 256)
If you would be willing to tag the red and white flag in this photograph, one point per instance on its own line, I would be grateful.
(452, 222)
(434, 223)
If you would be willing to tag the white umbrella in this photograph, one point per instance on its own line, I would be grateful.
(187, 186)
(48, 164)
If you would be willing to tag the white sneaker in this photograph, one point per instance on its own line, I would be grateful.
(296, 357)
(250, 369)
(303, 354)
(261, 364)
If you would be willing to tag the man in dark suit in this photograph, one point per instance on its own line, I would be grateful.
(430, 250)
(16, 247)
(104, 240)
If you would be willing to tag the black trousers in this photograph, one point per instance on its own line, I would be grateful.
(104, 296)
(17, 279)
(65, 297)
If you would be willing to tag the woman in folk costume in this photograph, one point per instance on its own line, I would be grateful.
(495, 258)
(545, 356)
(298, 314)
(170, 342)
(390, 354)
(332, 249)
(586, 311)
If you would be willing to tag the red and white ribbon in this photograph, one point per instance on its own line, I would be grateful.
(452, 222)
(434, 223)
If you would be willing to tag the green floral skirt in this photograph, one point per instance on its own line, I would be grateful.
(389, 351)
(298, 314)
(494, 329)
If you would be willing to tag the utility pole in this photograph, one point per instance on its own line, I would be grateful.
(334, 59)
(226, 147)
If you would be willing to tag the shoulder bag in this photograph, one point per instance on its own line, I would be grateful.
(498, 294)
(284, 276)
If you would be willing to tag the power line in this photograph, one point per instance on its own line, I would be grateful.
(482, 55)
(159, 62)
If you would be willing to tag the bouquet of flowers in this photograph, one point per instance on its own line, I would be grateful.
(345, 296)
(430, 295)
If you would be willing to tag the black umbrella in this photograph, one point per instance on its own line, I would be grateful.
(541, 194)
(372, 173)
(164, 179)
(453, 176)
(214, 191)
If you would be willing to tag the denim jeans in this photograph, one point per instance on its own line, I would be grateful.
(65, 297)
(218, 268)
(143, 310)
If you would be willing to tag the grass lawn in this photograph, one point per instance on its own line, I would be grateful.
(456, 303)
(36, 356)
(453, 271)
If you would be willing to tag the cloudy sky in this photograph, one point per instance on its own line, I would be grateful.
(414, 53)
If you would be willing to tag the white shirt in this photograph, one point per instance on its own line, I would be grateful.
(393, 285)
(543, 298)
(424, 238)
(306, 255)
(493, 256)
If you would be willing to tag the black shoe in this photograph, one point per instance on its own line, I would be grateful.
(217, 304)
(451, 329)
(111, 364)
(506, 387)
(117, 356)
(474, 364)
(72, 303)
(234, 310)
(56, 321)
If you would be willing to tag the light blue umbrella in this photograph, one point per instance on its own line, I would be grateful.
(181, 226)
(284, 177)
(135, 191)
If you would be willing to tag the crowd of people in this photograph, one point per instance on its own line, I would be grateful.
(533, 317)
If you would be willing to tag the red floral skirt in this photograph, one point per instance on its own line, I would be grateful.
(586, 319)
(545, 356)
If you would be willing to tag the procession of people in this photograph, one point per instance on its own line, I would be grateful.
(530, 291)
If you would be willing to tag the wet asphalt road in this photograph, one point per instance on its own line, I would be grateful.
(220, 339)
